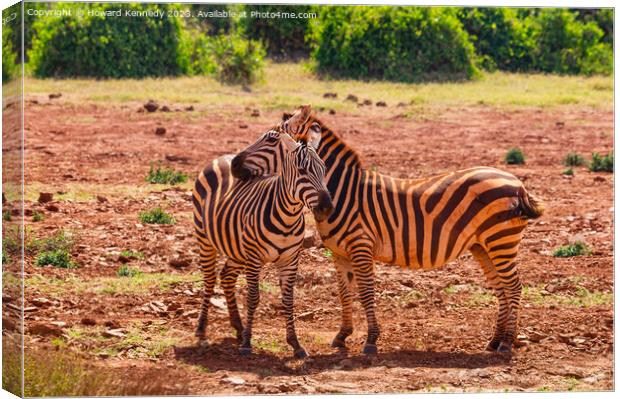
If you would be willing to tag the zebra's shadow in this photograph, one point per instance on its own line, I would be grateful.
(223, 355)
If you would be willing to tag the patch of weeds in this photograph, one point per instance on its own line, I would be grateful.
(573, 159)
(413, 295)
(58, 258)
(125, 271)
(58, 342)
(156, 216)
(327, 253)
(273, 345)
(63, 240)
(139, 283)
(6, 215)
(571, 384)
(514, 156)
(602, 163)
(165, 175)
(128, 253)
(568, 172)
(481, 298)
(267, 287)
(577, 249)
(373, 168)
(582, 298)
(146, 341)
(544, 389)
(37, 216)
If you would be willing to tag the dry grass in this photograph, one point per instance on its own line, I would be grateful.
(285, 86)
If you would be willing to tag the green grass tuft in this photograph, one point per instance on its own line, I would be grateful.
(327, 253)
(577, 249)
(514, 156)
(125, 271)
(165, 175)
(37, 216)
(128, 253)
(156, 216)
(6, 215)
(602, 163)
(573, 159)
(57, 258)
(568, 172)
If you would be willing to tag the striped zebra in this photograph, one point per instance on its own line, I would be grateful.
(416, 223)
(257, 221)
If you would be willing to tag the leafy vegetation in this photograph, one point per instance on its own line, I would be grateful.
(128, 253)
(573, 159)
(125, 271)
(57, 258)
(6, 215)
(156, 216)
(514, 156)
(576, 249)
(602, 163)
(408, 44)
(9, 56)
(568, 172)
(37, 216)
(165, 175)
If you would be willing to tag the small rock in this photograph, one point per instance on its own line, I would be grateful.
(151, 106)
(246, 88)
(165, 108)
(352, 98)
(45, 329)
(332, 112)
(599, 179)
(218, 303)
(310, 240)
(101, 198)
(140, 110)
(55, 95)
(330, 95)
(52, 208)
(255, 113)
(306, 316)
(112, 324)
(190, 108)
(160, 131)
(8, 324)
(191, 313)
(179, 263)
(172, 307)
(401, 104)
(233, 380)
(87, 321)
(559, 125)
(41, 302)
(123, 259)
(346, 364)
(367, 102)
(177, 158)
(45, 197)
(114, 333)
(243, 126)
(381, 104)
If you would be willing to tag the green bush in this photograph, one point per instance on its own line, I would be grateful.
(112, 47)
(576, 249)
(282, 37)
(568, 172)
(514, 156)
(165, 175)
(9, 57)
(57, 258)
(156, 216)
(125, 271)
(407, 44)
(602, 163)
(502, 40)
(565, 45)
(573, 159)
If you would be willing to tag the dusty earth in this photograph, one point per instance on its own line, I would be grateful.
(435, 324)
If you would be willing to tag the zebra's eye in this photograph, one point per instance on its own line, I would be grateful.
(272, 139)
(315, 127)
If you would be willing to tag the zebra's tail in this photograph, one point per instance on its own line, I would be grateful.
(530, 206)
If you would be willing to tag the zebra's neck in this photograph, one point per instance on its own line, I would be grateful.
(285, 203)
(341, 161)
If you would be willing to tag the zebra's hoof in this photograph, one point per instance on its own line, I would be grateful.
(245, 352)
(370, 349)
(493, 346)
(504, 347)
(301, 354)
(338, 343)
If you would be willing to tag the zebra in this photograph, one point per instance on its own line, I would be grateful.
(422, 223)
(257, 221)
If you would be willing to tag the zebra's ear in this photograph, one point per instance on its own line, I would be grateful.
(286, 116)
(314, 139)
(290, 145)
(299, 117)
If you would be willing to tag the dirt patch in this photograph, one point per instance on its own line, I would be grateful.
(435, 324)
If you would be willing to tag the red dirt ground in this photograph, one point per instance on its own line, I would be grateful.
(435, 324)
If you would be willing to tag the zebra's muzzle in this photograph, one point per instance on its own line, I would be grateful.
(324, 208)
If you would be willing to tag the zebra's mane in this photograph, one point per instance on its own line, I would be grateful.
(328, 135)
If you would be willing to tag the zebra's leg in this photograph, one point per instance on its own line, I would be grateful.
(228, 280)
(252, 274)
(363, 268)
(208, 255)
(493, 280)
(502, 255)
(288, 274)
(346, 279)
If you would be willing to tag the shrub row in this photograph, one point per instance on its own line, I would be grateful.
(360, 42)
